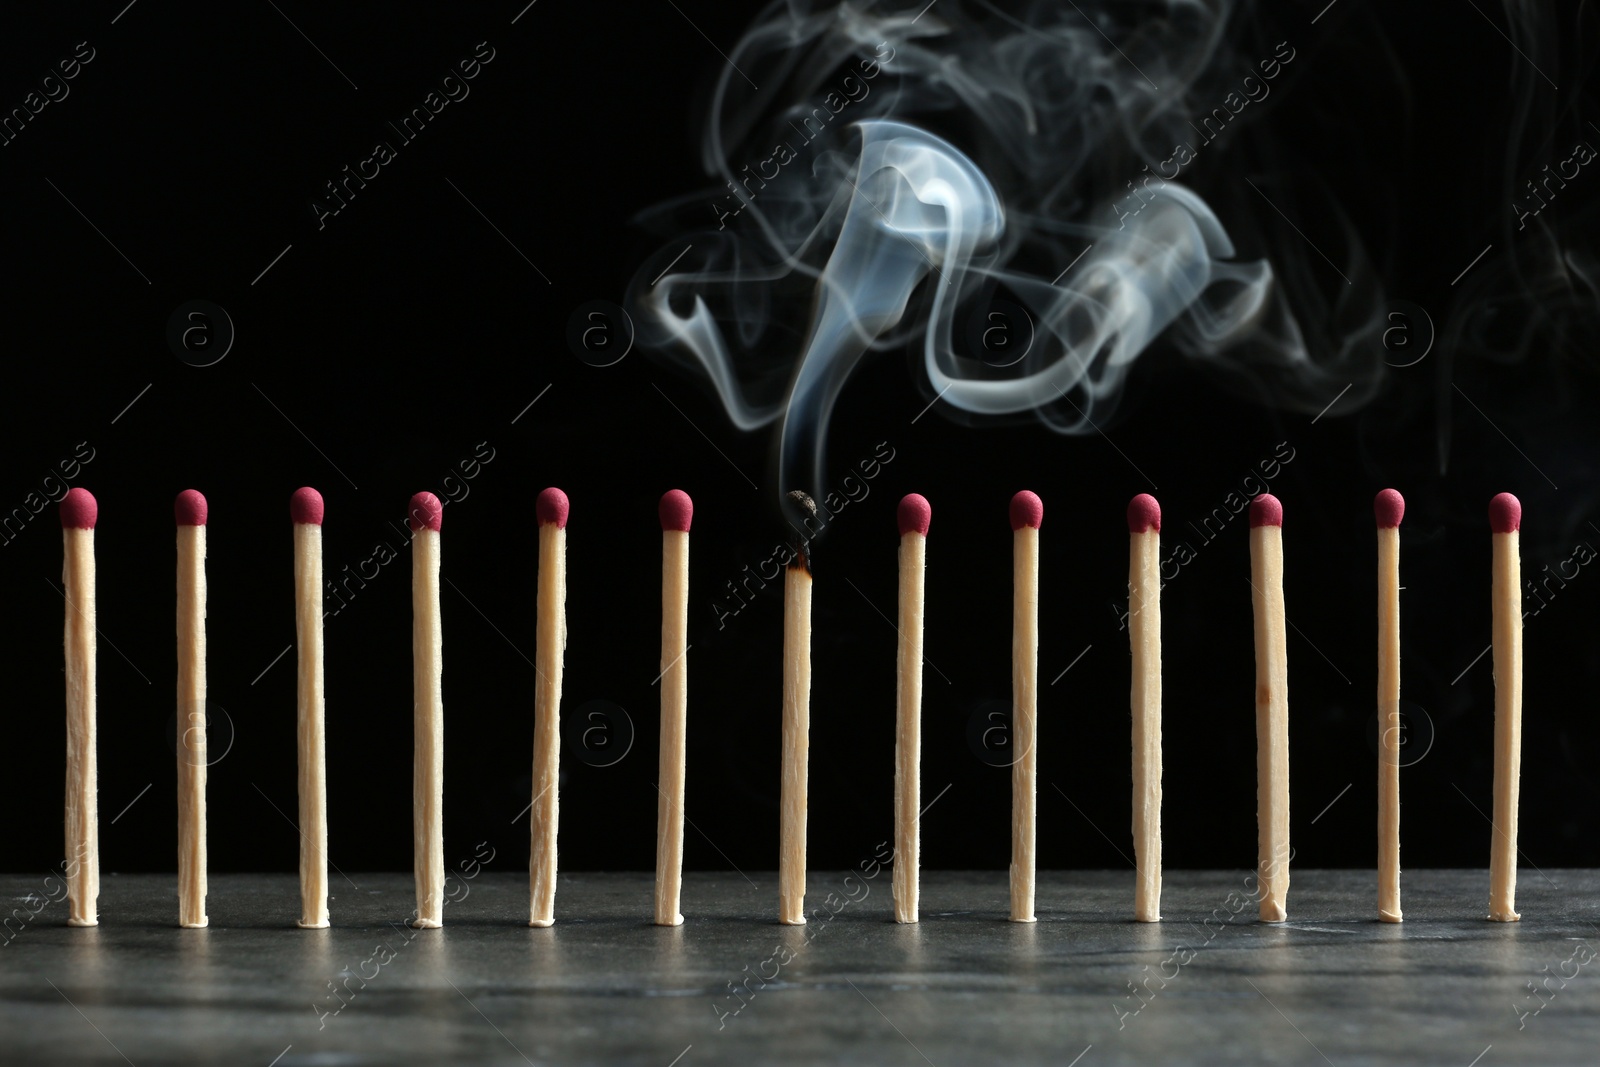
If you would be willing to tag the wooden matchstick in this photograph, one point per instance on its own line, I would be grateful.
(1027, 512)
(1389, 508)
(190, 511)
(305, 510)
(427, 711)
(796, 720)
(79, 511)
(550, 641)
(913, 515)
(676, 511)
(1505, 522)
(1272, 706)
(1144, 638)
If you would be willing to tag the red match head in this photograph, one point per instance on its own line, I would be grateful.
(676, 509)
(190, 508)
(1144, 514)
(552, 507)
(1265, 511)
(1389, 507)
(425, 511)
(305, 507)
(79, 511)
(1505, 513)
(1026, 510)
(914, 513)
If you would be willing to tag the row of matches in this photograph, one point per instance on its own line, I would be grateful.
(79, 512)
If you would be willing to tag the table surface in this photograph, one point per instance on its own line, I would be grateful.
(963, 986)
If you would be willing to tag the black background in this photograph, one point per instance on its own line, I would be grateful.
(379, 351)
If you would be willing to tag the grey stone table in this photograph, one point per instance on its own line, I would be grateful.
(1082, 986)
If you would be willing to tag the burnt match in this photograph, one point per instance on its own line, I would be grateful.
(796, 718)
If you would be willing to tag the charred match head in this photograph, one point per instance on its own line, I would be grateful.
(676, 510)
(1026, 510)
(79, 510)
(305, 507)
(552, 507)
(190, 508)
(1144, 514)
(914, 513)
(425, 513)
(1505, 514)
(1389, 507)
(800, 511)
(1265, 511)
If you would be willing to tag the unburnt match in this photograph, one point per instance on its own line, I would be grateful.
(79, 512)
(425, 518)
(1389, 508)
(1272, 706)
(1027, 513)
(1505, 525)
(796, 717)
(550, 641)
(676, 511)
(1144, 638)
(305, 511)
(190, 511)
(913, 516)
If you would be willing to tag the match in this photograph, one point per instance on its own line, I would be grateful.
(79, 511)
(425, 517)
(1144, 638)
(190, 512)
(305, 511)
(796, 719)
(550, 641)
(676, 511)
(1505, 524)
(1272, 706)
(1389, 508)
(1027, 512)
(913, 516)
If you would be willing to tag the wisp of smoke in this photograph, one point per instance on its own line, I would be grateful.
(1028, 268)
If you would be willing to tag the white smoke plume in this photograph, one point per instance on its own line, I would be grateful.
(924, 170)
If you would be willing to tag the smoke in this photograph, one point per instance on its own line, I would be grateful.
(1008, 197)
